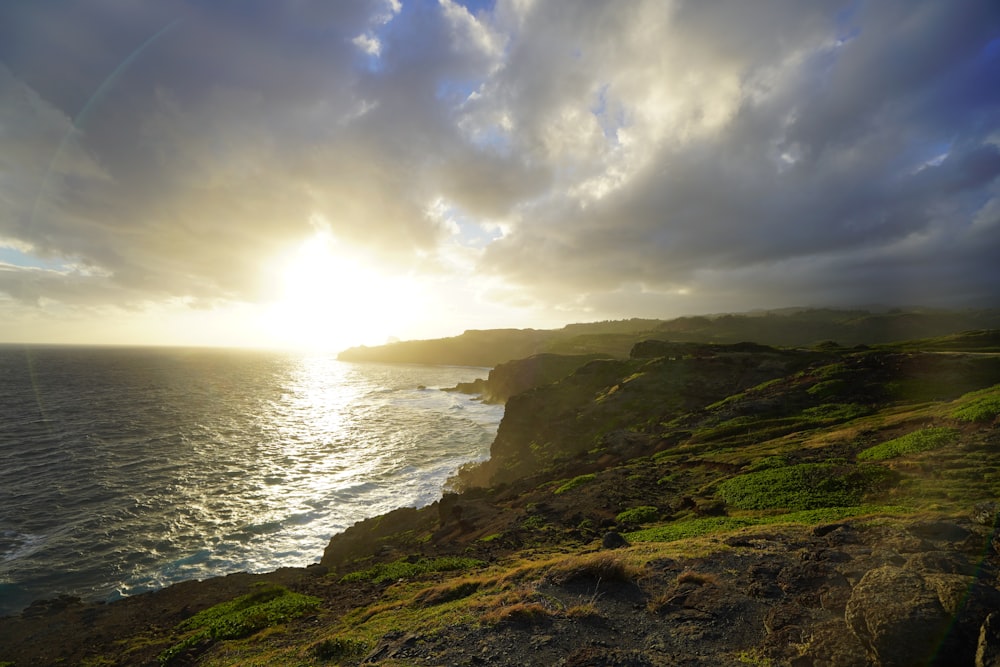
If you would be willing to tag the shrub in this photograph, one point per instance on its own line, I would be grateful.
(804, 486)
(575, 482)
(641, 514)
(918, 441)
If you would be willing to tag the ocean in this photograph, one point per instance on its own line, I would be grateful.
(123, 470)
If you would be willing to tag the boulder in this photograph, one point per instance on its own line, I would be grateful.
(897, 617)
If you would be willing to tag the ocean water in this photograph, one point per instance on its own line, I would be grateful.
(125, 470)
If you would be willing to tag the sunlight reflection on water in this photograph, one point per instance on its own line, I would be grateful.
(154, 467)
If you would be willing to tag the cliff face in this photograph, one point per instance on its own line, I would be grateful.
(520, 375)
(591, 408)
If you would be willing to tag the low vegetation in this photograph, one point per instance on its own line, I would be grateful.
(637, 515)
(408, 569)
(569, 485)
(238, 618)
(979, 406)
(802, 487)
(911, 443)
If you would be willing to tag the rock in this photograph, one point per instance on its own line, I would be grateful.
(940, 561)
(988, 649)
(826, 529)
(986, 513)
(939, 531)
(613, 540)
(897, 617)
(394, 644)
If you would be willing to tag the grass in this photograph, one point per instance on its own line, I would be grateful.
(521, 613)
(569, 485)
(244, 616)
(672, 532)
(446, 592)
(802, 487)
(917, 441)
(682, 530)
(406, 569)
(602, 566)
(640, 514)
(979, 406)
(339, 648)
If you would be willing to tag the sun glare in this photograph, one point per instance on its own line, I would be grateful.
(330, 300)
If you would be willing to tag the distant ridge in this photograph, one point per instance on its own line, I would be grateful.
(788, 327)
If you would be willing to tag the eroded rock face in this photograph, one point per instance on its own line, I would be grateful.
(897, 616)
(908, 616)
(988, 648)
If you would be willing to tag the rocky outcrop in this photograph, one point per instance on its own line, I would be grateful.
(557, 422)
(520, 375)
(898, 617)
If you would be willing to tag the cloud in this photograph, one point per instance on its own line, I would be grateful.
(641, 158)
(733, 156)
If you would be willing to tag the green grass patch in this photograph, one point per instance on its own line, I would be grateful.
(768, 462)
(911, 443)
(244, 616)
(828, 388)
(672, 532)
(979, 406)
(836, 412)
(575, 482)
(801, 487)
(641, 514)
(405, 569)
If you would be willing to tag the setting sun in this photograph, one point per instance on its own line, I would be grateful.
(332, 300)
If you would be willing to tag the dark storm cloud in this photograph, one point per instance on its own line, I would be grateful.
(641, 157)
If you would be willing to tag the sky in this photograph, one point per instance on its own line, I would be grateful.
(315, 173)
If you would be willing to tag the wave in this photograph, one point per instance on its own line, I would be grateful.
(133, 471)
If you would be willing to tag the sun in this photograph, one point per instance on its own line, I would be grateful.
(330, 299)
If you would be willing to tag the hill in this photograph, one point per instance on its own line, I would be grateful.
(691, 504)
(798, 327)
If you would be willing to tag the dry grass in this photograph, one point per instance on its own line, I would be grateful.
(594, 567)
(697, 578)
(447, 592)
(587, 611)
(522, 613)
